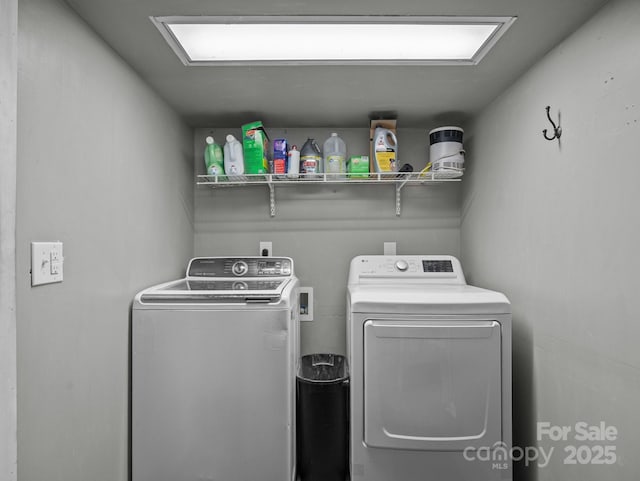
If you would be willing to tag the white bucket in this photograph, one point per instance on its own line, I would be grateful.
(446, 151)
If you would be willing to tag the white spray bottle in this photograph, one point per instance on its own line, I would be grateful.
(293, 164)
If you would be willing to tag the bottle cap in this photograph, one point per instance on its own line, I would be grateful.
(209, 140)
(230, 138)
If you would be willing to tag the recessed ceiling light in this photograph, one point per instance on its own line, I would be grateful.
(287, 40)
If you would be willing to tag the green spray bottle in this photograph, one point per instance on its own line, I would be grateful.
(214, 159)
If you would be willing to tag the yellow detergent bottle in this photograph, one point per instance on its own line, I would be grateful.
(385, 150)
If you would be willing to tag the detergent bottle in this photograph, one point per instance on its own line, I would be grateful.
(233, 158)
(385, 150)
(310, 159)
(335, 155)
(213, 159)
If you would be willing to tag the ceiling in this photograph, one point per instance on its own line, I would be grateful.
(332, 96)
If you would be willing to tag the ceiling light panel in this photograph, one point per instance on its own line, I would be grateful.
(331, 40)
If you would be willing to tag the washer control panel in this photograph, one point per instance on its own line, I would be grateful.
(233, 267)
(430, 269)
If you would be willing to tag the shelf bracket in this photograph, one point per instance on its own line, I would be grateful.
(399, 187)
(272, 199)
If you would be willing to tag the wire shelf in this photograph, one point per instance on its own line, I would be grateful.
(398, 179)
(326, 178)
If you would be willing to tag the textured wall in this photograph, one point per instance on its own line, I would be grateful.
(555, 227)
(106, 167)
(8, 111)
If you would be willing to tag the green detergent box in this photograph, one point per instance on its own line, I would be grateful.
(255, 143)
(358, 166)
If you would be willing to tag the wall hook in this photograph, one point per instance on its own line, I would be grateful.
(557, 130)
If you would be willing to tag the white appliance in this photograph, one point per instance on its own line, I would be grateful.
(430, 362)
(213, 380)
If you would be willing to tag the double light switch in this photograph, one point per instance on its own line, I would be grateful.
(46, 263)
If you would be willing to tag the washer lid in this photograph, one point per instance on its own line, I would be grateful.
(426, 299)
(225, 280)
(197, 285)
(218, 291)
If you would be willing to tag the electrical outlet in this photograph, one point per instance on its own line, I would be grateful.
(46, 263)
(306, 303)
(389, 248)
(266, 249)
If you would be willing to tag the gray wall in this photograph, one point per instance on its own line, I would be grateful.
(324, 227)
(555, 226)
(8, 131)
(105, 167)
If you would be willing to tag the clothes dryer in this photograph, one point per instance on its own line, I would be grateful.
(213, 380)
(430, 361)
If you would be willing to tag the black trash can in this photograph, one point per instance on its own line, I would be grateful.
(322, 418)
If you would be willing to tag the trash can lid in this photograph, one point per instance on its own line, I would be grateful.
(323, 368)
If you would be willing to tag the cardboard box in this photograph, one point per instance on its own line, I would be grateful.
(255, 143)
(358, 166)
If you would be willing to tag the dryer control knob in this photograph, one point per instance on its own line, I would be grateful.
(402, 265)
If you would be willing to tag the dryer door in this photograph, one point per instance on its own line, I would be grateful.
(432, 385)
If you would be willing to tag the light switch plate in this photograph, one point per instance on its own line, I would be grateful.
(46, 263)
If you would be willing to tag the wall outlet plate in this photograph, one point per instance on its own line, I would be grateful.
(390, 249)
(266, 249)
(306, 303)
(46, 263)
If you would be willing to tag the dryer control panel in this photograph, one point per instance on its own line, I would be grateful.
(233, 267)
(427, 269)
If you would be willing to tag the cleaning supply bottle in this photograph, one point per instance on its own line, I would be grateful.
(280, 156)
(334, 155)
(293, 162)
(233, 158)
(310, 159)
(213, 159)
(385, 150)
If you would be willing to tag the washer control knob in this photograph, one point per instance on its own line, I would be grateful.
(402, 265)
(240, 268)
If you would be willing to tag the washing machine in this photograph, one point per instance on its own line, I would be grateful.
(430, 361)
(213, 380)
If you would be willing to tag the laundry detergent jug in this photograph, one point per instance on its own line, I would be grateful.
(385, 150)
(213, 158)
(233, 159)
